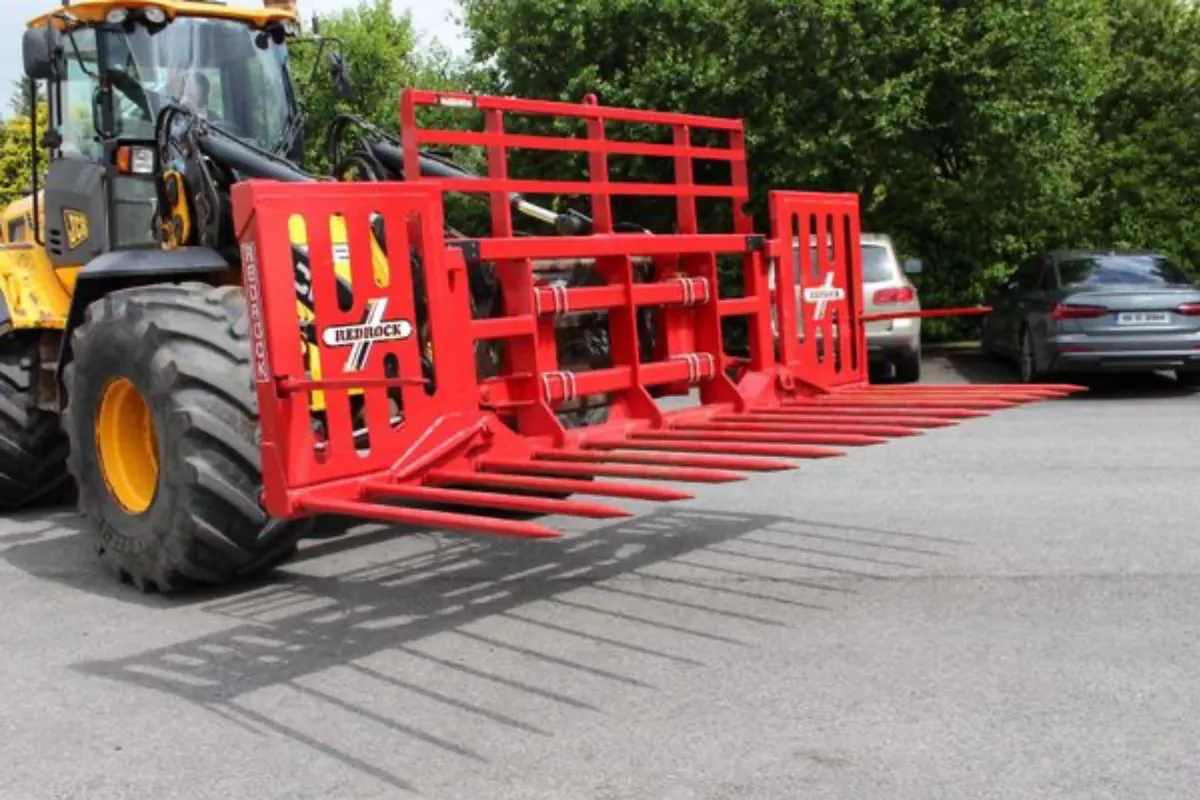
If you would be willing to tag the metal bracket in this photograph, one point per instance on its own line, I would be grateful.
(469, 247)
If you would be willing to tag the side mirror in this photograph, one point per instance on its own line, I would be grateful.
(38, 47)
(914, 266)
(341, 77)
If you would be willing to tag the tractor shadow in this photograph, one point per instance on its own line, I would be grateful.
(52, 544)
(463, 652)
(49, 544)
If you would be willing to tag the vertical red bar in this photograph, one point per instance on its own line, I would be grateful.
(598, 175)
(502, 225)
(783, 217)
(857, 303)
(408, 135)
(740, 173)
(275, 343)
(449, 304)
(685, 200)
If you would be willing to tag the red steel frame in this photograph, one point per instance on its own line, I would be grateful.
(461, 438)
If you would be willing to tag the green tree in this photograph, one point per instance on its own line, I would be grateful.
(966, 128)
(19, 102)
(1146, 179)
(16, 160)
(383, 55)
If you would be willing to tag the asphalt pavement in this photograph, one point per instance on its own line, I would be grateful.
(1004, 609)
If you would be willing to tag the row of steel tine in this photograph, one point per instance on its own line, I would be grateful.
(718, 447)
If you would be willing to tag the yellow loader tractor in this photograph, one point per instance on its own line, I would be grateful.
(124, 358)
(125, 378)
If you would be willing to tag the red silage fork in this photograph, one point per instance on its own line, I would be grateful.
(397, 420)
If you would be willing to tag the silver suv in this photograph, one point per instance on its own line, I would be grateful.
(886, 289)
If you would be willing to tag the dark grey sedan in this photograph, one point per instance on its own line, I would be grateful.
(1097, 311)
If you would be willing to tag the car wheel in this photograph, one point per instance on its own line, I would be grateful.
(1030, 372)
(1188, 380)
(908, 367)
(986, 345)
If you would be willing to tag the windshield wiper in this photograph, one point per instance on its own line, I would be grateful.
(289, 133)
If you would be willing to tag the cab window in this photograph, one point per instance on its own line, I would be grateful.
(78, 89)
(16, 231)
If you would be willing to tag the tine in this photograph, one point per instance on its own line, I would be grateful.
(799, 427)
(731, 448)
(670, 459)
(804, 406)
(982, 387)
(508, 502)
(468, 523)
(809, 417)
(962, 404)
(566, 485)
(779, 438)
(681, 474)
(946, 394)
(937, 391)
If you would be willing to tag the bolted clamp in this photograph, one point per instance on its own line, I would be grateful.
(701, 366)
(570, 389)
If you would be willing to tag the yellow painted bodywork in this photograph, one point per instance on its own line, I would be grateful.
(96, 10)
(339, 240)
(35, 296)
(37, 293)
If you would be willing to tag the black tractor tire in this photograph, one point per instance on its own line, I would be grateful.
(908, 367)
(33, 449)
(185, 348)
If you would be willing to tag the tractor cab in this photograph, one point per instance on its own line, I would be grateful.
(110, 68)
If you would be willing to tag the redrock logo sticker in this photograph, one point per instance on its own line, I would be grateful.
(360, 337)
(821, 296)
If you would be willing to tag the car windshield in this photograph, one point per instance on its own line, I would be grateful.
(1122, 270)
(231, 73)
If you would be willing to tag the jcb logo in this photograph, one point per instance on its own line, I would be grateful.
(76, 225)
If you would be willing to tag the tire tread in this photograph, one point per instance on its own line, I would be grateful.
(33, 449)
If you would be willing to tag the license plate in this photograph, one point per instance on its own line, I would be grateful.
(1143, 318)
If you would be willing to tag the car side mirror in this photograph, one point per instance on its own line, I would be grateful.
(38, 46)
(914, 266)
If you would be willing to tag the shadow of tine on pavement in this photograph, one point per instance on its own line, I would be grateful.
(354, 626)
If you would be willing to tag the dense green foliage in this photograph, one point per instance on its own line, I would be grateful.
(383, 55)
(973, 132)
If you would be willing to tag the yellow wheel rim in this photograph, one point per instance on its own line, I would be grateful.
(127, 445)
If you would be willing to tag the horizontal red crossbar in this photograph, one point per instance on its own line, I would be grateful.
(552, 108)
(928, 313)
(514, 141)
(603, 245)
(606, 188)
